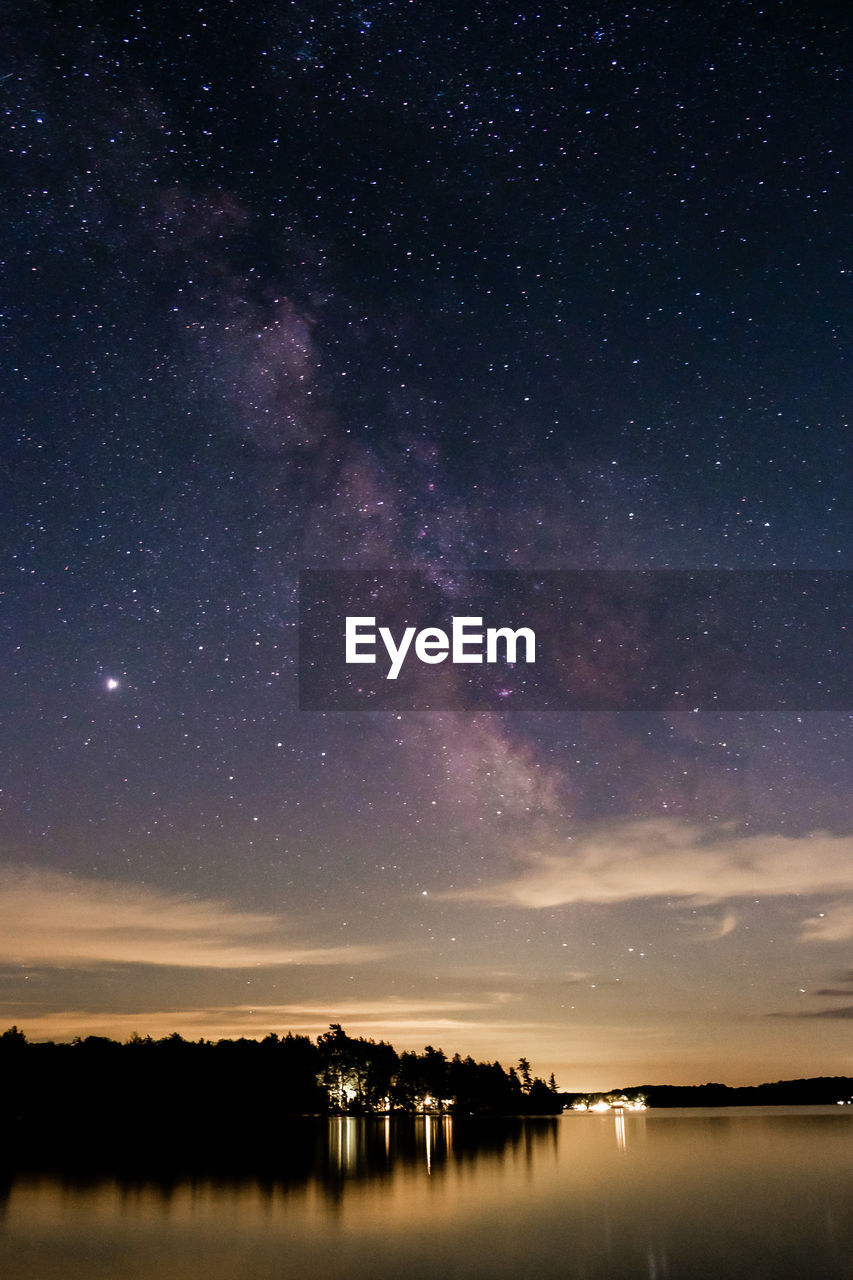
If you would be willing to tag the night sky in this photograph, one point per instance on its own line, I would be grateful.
(437, 287)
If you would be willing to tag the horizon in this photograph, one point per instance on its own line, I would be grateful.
(505, 1063)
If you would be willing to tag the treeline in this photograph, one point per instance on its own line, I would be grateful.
(817, 1091)
(242, 1087)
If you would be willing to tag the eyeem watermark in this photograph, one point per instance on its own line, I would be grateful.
(432, 645)
(581, 640)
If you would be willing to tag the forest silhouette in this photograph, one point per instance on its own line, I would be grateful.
(98, 1093)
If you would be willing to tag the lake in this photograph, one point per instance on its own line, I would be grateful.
(746, 1192)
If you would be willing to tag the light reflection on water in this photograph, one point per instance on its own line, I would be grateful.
(661, 1194)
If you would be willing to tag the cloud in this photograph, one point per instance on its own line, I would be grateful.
(839, 1012)
(833, 925)
(65, 920)
(384, 1017)
(711, 929)
(624, 861)
(843, 1012)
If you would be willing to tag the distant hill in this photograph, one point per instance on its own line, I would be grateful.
(816, 1091)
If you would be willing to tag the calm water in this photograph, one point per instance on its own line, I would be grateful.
(742, 1193)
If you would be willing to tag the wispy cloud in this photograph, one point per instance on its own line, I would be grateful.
(710, 928)
(622, 861)
(845, 991)
(53, 919)
(835, 924)
(842, 1012)
(392, 1017)
(839, 1012)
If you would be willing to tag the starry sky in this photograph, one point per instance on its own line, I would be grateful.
(396, 285)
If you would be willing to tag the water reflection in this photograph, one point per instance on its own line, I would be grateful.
(600, 1197)
(330, 1153)
(359, 1148)
(621, 1141)
(372, 1148)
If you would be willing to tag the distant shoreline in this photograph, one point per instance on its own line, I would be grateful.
(813, 1091)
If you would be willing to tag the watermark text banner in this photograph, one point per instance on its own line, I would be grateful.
(582, 640)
